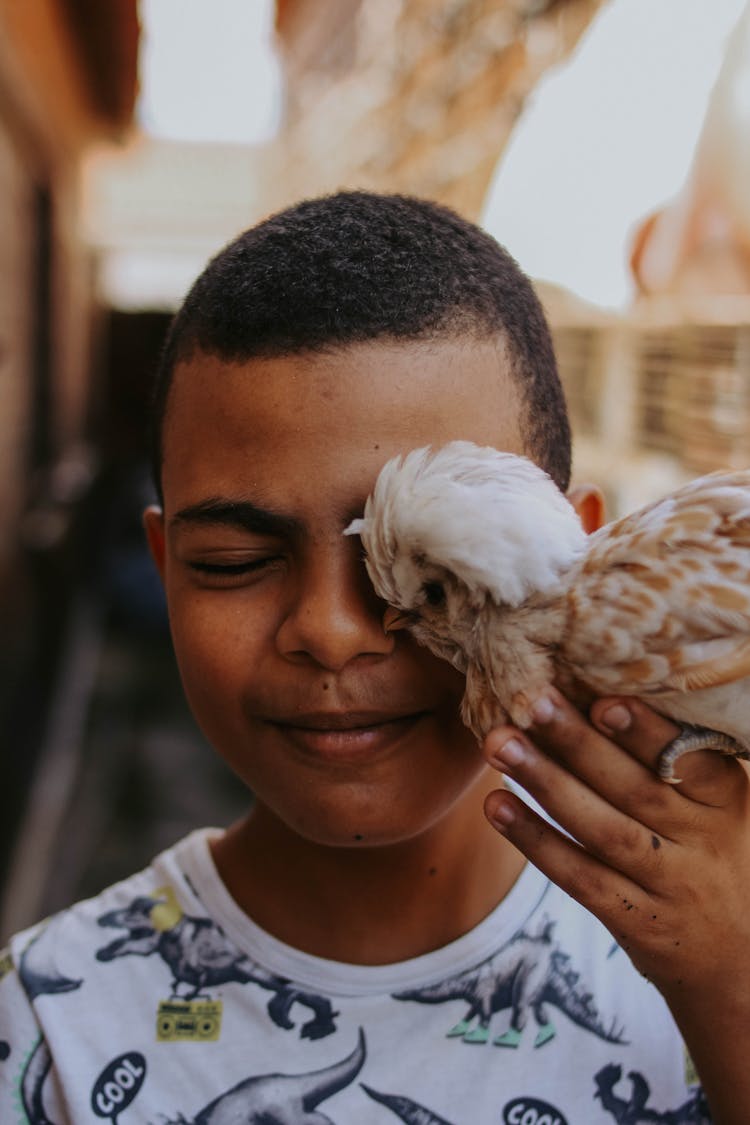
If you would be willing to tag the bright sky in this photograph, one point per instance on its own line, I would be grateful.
(208, 71)
(607, 137)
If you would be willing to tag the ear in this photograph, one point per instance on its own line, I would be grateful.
(153, 522)
(588, 501)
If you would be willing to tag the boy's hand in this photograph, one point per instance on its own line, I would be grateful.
(665, 867)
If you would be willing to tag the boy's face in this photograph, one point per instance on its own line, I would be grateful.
(344, 732)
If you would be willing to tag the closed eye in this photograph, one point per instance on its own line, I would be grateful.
(224, 572)
(229, 568)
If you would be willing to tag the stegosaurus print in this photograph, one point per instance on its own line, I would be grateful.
(529, 974)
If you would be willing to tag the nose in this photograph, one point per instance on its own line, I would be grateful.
(335, 616)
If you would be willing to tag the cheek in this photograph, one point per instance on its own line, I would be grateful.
(219, 641)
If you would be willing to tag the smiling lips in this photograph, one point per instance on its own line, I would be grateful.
(347, 734)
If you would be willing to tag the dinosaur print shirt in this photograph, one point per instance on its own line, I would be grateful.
(160, 1002)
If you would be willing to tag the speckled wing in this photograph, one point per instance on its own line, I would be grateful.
(660, 603)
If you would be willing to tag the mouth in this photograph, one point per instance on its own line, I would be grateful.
(347, 735)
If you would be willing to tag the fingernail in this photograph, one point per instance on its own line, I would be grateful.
(617, 717)
(510, 754)
(543, 709)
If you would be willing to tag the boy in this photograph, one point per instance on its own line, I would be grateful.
(364, 946)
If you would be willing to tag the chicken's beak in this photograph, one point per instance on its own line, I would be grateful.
(394, 619)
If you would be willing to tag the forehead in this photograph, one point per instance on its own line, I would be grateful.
(253, 427)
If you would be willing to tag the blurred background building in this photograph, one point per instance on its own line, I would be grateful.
(605, 142)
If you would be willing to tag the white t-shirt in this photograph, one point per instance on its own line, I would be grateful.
(160, 1001)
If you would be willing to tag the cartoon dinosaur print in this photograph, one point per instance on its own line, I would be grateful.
(38, 968)
(200, 956)
(35, 1072)
(281, 1099)
(410, 1112)
(635, 1111)
(527, 974)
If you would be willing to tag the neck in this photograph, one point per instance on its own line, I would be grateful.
(375, 905)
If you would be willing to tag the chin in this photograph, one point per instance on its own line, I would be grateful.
(370, 820)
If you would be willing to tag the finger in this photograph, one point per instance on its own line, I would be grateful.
(611, 771)
(636, 727)
(706, 777)
(624, 907)
(613, 837)
(708, 781)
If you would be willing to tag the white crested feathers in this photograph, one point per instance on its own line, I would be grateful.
(471, 511)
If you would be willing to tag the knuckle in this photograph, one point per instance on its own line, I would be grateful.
(629, 837)
(586, 884)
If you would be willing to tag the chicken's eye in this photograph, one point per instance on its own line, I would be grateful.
(434, 593)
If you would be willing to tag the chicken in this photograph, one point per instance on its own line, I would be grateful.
(484, 560)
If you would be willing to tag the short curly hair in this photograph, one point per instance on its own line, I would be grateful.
(359, 266)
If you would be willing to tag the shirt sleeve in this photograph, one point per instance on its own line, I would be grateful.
(25, 1060)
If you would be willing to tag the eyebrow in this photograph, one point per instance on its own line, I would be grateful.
(239, 514)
